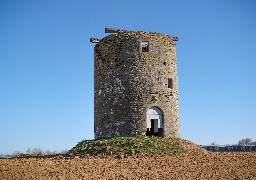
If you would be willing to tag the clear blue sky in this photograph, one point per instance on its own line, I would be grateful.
(46, 66)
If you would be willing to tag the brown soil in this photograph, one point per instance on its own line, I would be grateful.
(192, 148)
(197, 163)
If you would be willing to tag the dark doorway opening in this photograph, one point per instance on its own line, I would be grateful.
(153, 130)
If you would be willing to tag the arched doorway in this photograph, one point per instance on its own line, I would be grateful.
(154, 122)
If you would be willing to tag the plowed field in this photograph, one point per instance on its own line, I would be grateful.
(195, 164)
(203, 166)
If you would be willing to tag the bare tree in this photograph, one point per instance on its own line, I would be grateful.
(17, 154)
(28, 151)
(214, 144)
(49, 152)
(64, 151)
(37, 152)
(246, 141)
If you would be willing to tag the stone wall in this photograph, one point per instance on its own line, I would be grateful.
(127, 82)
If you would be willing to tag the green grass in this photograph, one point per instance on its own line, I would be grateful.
(128, 146)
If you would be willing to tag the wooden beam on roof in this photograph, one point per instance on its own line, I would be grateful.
(175, 38)
(94, 40)
(111, 30)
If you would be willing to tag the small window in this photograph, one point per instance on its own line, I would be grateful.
(144, 46)
(170, 83)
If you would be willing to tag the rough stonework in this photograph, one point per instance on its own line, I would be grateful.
(135, 85)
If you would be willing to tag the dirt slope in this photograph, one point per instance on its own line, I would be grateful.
(192, 148)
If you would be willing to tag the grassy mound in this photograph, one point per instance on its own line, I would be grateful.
(128, 146)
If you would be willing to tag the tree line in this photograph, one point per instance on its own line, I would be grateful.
(37, 152)
(243, 145)
(242, 142)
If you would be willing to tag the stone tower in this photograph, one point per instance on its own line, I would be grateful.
(135, 84)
